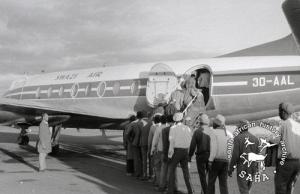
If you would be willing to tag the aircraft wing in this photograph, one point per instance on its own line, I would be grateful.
(28, 112)
(34, 108)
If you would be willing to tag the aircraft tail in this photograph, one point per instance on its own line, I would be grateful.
(291, 9)
(289, 45)
(282, 47)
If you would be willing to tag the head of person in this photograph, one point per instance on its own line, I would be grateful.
(219, 122)
(132, 118)
(156, 119)
(183, 84)
(178, 117)
(160, 109)
(170, 119)
(163, 119)
(286, 110)
(180, 84)
(204, 119)
(149, 114)
(194, 74)
(187, 120)
(244, 124)
(191, 82)
(45, 117)
(139, 115)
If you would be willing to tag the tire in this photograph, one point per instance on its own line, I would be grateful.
(55, 150)
(24, 140)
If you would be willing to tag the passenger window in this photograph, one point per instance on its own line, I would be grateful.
(74, 90)
(49, 92)
(87, 89)
(37, 94)
(116, 88)
(101, 89)
(61, 91)
(134, 88)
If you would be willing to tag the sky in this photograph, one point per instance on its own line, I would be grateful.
(56, 35)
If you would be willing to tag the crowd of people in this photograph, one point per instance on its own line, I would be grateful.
(156, 145)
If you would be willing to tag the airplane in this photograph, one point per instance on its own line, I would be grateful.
(246, 87)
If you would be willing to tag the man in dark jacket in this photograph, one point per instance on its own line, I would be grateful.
(144, 144)
(135, 135)
(244, 143)
(128, 147)
(201, 140)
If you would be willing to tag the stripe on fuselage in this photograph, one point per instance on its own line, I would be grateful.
(117, 88)
(252, 83)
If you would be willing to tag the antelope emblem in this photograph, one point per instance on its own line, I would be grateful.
(248, 142)
(264, 144)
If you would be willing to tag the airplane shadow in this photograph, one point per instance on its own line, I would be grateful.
(17, 158)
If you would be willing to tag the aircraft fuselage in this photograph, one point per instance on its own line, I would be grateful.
(245, 87)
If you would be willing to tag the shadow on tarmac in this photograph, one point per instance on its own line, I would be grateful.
(107, 176)
(18, 158)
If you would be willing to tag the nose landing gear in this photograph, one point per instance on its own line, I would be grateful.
(23, 138)
(55, 137)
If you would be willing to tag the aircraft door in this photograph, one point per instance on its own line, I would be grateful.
(161, 83)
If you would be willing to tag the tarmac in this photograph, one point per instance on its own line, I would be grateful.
(87, 163)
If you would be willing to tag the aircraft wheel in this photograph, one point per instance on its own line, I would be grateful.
(55, 150)
(24, 140)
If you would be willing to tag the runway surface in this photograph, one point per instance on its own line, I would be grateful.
(87, 163)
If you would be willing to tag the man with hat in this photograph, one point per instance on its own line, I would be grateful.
(144, 143)
(201, 140)
(176, 97)
(157, 148)
(218, 159)
(135, 132)
(242, 147)
(204, 83)
(180, 139)
(155, 124)
(287, 171)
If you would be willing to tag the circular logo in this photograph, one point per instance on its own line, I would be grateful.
(255, 156)
(74, 90)
(101, 89)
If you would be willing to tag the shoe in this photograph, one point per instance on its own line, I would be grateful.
(138, 177)
(176, 192)
(42, 170)
(151, 179)
(160, 189)
(156, 188)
